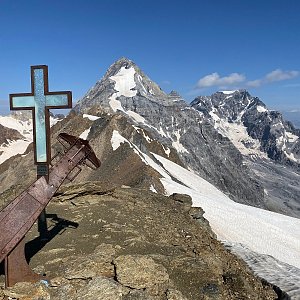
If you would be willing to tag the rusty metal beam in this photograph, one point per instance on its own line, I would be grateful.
(19, 216)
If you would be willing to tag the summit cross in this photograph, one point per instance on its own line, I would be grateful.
(40, 100)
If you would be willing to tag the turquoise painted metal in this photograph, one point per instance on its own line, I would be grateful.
(40, 100)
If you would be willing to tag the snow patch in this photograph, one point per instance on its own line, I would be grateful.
(152, 189)
(53, 121)
(291, 137)
(228, 92)
(138, 118)
(115, 104)
(177, 145)
(13, 148)
(147, 138)
(161, 132)
(261, 109)
(117, 140)
(124, 82)
(238, 135)
(85, 134)
(214, 116)
(291, 156)
(91, 117)
(140, 79)
(167, 150)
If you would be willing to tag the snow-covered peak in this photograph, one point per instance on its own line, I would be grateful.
(124, 85)
(228, 92)
(124, 82)
(247, 122)
(124, 79)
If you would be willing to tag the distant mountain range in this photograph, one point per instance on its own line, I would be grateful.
(223, 147)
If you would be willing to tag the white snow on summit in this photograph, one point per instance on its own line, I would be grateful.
(228, 92)
(124, 83)
(124, 80)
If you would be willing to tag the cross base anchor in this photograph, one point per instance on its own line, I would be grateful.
(17, 268)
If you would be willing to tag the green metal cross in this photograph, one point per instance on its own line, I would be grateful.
(40, 100)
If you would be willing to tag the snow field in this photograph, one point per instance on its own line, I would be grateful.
(13, 148)
(262, 231)
(267, 241)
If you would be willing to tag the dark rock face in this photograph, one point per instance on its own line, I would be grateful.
(126, 90)
(263, 137)
(141, 245)
(279, 139)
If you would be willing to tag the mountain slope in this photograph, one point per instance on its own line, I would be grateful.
(17, 133)
(269, 145)
(127, 91)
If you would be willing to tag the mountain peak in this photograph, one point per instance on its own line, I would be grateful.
(234, 92)
(174, 94)
(123, 62)
(253, 129)
(123, 59)
(123, 83)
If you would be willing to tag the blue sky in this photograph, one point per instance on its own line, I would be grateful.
(193, 47)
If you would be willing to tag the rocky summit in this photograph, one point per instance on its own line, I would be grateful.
(128, 243)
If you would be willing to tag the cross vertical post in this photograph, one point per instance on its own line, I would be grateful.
(39, 101)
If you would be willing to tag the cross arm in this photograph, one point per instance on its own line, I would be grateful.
(21, 101)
